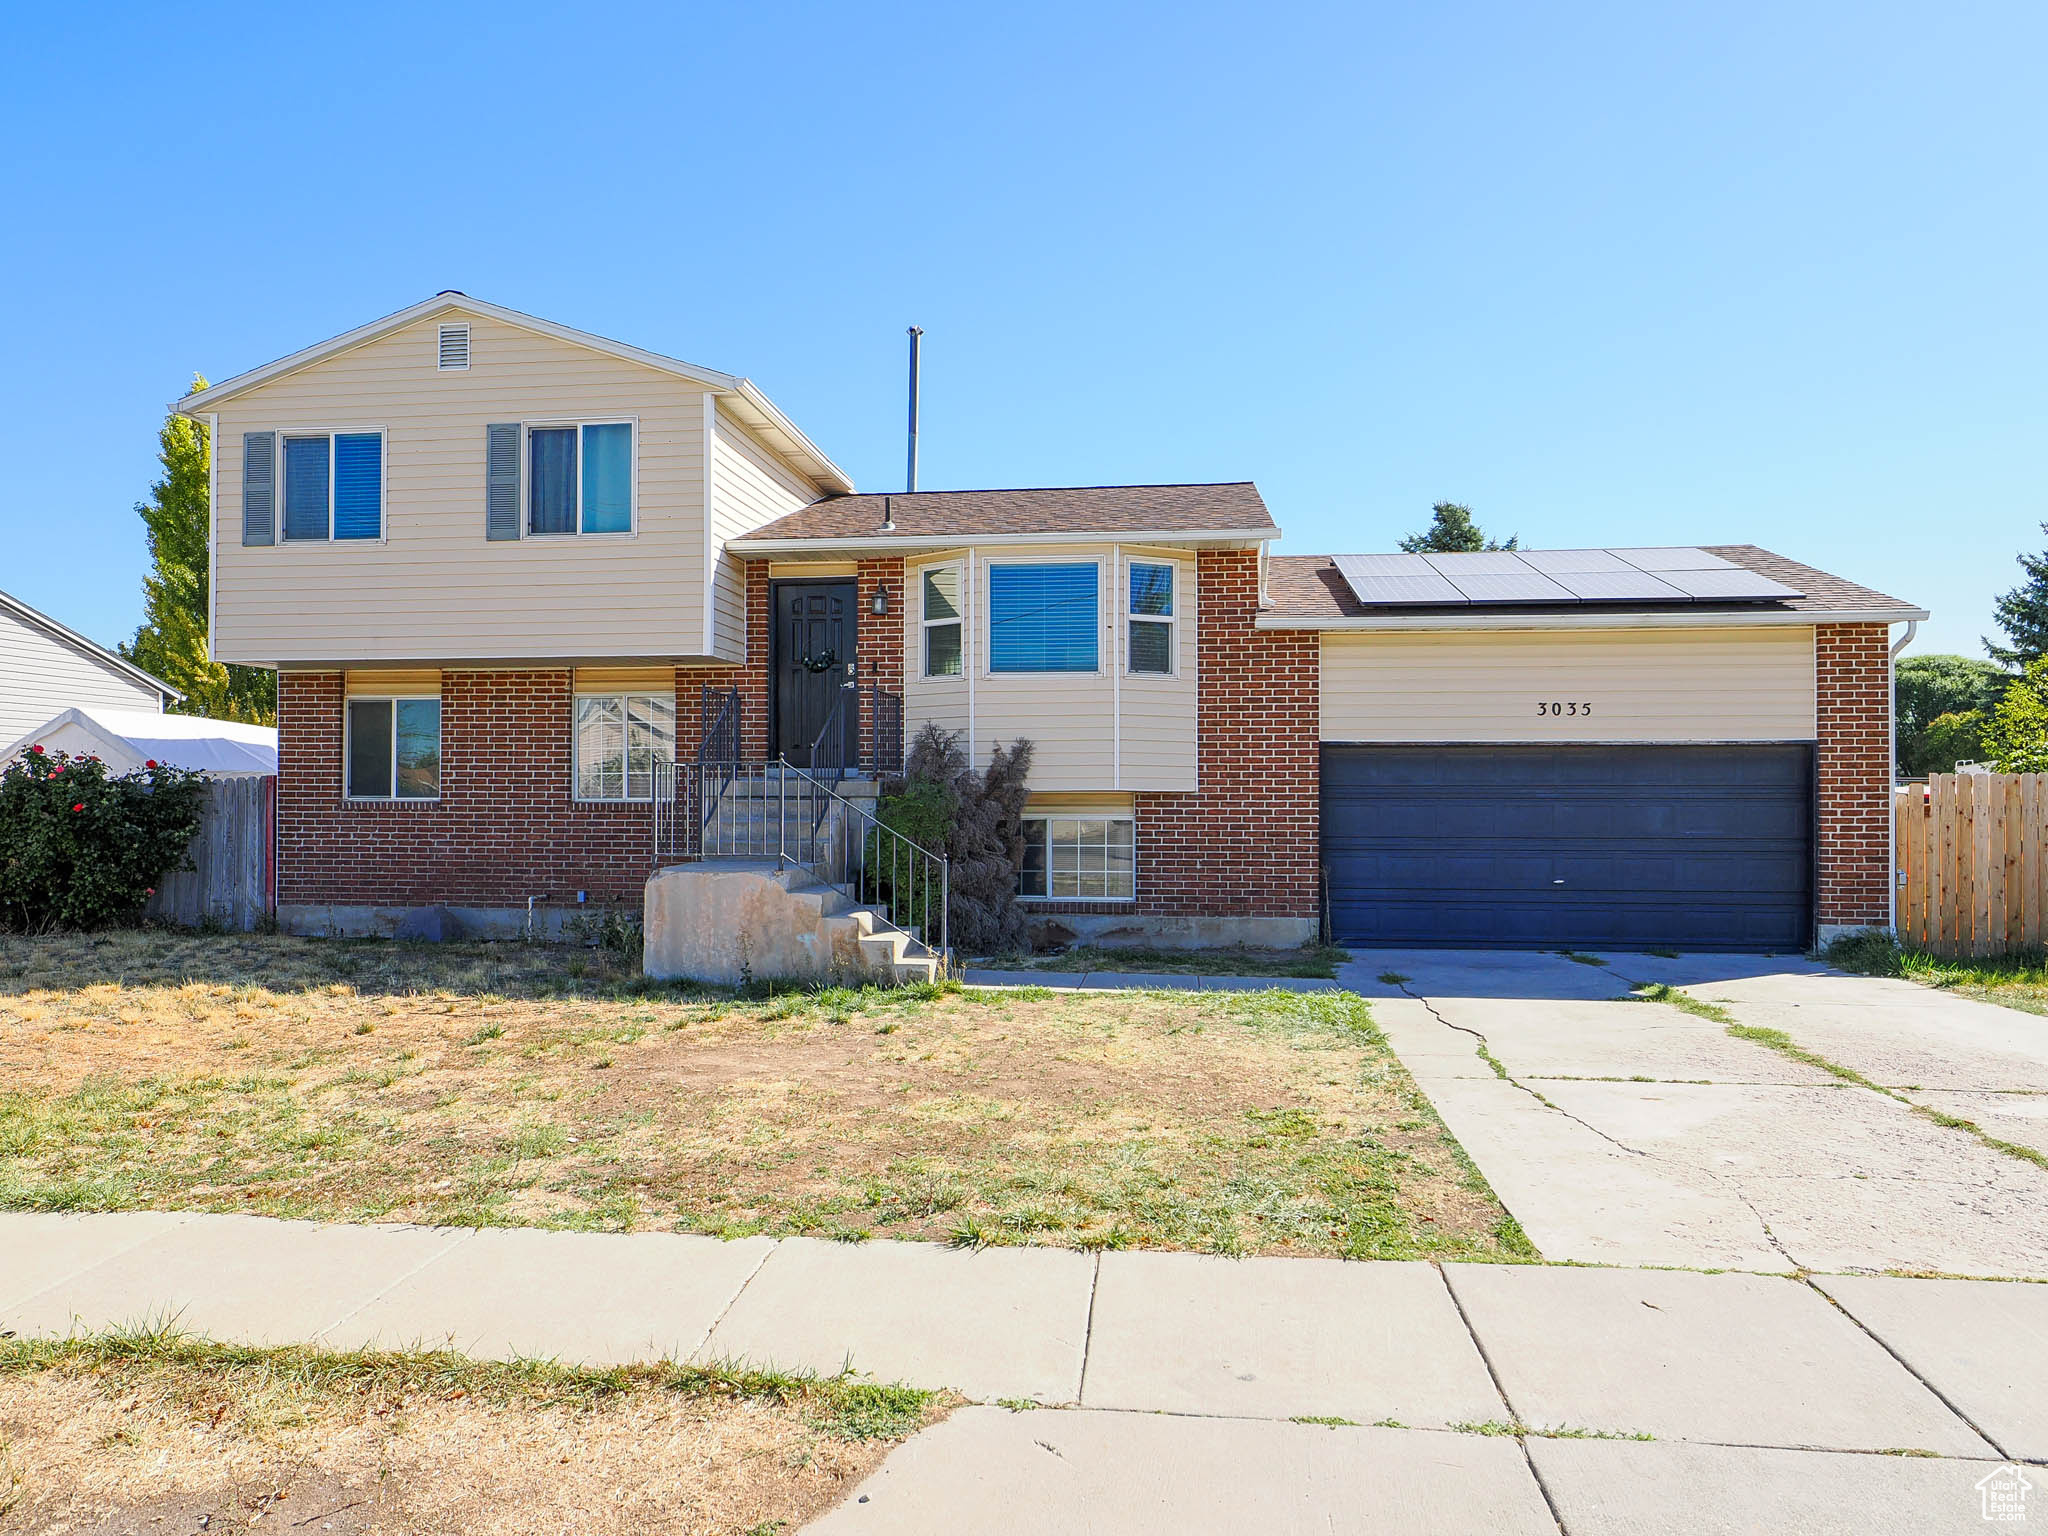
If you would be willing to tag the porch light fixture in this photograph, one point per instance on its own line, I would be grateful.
(879, 603)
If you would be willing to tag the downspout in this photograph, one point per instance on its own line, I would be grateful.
(1891, 670)
(1116, 671)
(972, 659)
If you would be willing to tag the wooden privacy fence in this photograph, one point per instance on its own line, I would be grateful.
(234, 882)
(1971, 876)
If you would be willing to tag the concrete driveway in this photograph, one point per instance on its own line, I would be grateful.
(1623, 1131)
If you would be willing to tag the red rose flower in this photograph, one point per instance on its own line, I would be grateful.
(37, 749)
(150, 764)
(79, 807)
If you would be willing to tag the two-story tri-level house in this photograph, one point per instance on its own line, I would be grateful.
(504, 569)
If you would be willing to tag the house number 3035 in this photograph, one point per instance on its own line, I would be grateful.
(1553, 707)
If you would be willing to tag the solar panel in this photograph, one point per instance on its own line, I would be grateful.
(1554, 577)
(1625, 585)
(1734, 582)
(1392, 580)
(1674, 558)
(1489, 562)
(1556, 562)
(1523, 586)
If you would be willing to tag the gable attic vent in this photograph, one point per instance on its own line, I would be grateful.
(454, 346)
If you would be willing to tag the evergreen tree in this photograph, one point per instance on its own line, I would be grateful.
(171, 644)
(2023, 614)
(1451, 531)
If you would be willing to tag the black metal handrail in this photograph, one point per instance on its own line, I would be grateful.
(828, 750)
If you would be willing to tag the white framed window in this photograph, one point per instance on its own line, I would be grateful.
(1042, 617)
(581, 477)
(1151, 617)
(619, 739)
(333, 485)
(941, 621)
(453, 355)
(391, 747)
(1079, 858)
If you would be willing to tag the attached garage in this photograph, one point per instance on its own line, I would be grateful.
(1693, 847)
(1570, 788)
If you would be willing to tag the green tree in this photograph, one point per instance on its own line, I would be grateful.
(171, 643)
(2016, 740)
(1960, 690)
(1948, 740)
(2023, 614)
(1451, 531)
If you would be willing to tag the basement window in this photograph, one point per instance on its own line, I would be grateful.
(620, 737)
(1079, 858)
(393, 748)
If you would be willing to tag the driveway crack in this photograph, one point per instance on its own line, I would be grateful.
(1725, 1182)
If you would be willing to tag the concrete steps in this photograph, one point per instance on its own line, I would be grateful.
(741, 920)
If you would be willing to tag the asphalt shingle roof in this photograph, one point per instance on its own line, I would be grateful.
(1083, 510)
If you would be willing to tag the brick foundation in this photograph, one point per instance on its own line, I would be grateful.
(1853, 704)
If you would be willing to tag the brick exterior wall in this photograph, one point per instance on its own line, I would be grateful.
(1853, 705)
(1247, 845)
(505, 827)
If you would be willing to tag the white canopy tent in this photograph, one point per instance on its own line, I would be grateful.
(127, 739)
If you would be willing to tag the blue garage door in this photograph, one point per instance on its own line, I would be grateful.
(1556, 847)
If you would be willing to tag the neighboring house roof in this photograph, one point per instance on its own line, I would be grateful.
(128, 738)
(741, 396)
(1227, 513)
(1307, 592)
(78, 642)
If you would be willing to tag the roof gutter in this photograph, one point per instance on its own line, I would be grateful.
(894, 542)
(1720, 618)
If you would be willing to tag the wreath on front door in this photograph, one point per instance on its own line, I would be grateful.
(823, 662)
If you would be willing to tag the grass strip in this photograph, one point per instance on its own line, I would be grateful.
(1777, 1040)
(837, 1405)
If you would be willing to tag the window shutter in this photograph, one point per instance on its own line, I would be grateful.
(259, 488)
(501, 480)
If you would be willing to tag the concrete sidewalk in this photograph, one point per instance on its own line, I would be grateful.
(1183, 1376)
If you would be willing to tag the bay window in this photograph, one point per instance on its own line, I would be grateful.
(941, 619)
(1151, 618)
(1042, 618)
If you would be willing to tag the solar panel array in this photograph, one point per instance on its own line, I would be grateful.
(1544, 576)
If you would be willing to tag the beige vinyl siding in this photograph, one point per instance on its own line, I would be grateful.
(749, 487)
(1643, 685)
(1071, 718)
(42, 676)
(434, 588)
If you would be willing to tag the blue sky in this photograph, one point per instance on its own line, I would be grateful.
(1611, 274)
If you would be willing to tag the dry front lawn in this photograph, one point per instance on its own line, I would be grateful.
(150, 1433)
(507, 1084)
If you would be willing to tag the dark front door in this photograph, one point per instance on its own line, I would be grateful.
(1706, 847)
(814, 634)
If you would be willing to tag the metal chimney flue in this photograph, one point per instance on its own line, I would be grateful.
(888, 515)
(910, 473)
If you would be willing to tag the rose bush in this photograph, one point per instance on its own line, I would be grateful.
(81, 848)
